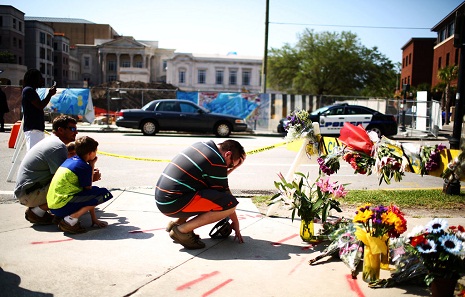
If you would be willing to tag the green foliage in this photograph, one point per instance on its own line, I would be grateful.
(331, 63)
(6, 57)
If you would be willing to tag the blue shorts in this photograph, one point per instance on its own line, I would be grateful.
(92, 197)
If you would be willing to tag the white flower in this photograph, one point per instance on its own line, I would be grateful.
(417, 230)
(436, 225)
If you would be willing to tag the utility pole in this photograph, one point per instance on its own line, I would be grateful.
(459, 99)
(265, 55)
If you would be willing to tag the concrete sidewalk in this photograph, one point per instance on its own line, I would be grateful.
(134, 256)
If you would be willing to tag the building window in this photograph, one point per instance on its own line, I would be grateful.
(442, 35)
(233, 77)
(112, 78)
(450, 29)
(439, 62)
(20, 43)
(125, 64)
(182, 76)
(410, 58)
(246, 78)
(165, 65)
(202, 76)
(112, 66)
(42, 53)
(86, 62)
(14, 23)
(219, 77)
(14, 42)
(138, 64)
(42, 37)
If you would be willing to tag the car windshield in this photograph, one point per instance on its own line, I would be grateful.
(320, 110)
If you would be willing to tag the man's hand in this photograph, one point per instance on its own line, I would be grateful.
(237, 232)
(97, 175)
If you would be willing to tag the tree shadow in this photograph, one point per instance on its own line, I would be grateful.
(10, 286)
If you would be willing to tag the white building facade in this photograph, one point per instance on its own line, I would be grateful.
(215, 73)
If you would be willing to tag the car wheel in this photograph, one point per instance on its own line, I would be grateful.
(222, 130)
(149, 128)
(376, 129)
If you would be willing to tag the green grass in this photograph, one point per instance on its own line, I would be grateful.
(425, 199)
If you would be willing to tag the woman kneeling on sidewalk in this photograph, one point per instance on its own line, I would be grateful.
(71, 193)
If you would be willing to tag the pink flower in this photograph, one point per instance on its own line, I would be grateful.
(325, 186)
(339, 192)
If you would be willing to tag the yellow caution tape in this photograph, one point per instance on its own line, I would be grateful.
(259, 150)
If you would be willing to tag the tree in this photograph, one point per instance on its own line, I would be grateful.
(6, 57)
(447, 75)
(330, 63)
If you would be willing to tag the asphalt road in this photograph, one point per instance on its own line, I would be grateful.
(130, 160)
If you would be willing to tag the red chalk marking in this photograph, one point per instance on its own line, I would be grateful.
(145, 231)
(295, 267)
(354, 286)
(284, 239)
(52, 241)
(310, 246)
(203, 277)
(217, 288)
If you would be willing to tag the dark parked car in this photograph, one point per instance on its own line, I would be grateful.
(178, 115)
(332, 118)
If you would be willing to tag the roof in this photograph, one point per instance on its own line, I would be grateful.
(450, 16)
(57, 20)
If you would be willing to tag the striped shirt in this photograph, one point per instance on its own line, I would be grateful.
(200, 166)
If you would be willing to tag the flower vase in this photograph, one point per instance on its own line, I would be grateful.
(443, 287)
(307, 231)
(385, 258)
(371, 265)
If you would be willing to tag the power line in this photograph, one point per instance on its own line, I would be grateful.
(351, 26)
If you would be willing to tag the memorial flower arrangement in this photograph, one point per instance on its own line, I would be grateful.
(359, 148)
(430, 158)
(388, 164)
(378, 224)
(455, 169)
(360, 162)
(380, 221)
(440, 247)
(309, 201)
(299, 125)
(329, 164)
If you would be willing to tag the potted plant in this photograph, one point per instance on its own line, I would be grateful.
(441, 249)
(309, 201)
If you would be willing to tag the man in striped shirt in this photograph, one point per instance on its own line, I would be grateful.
(195, 185)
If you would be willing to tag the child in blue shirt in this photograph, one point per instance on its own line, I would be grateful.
(71, 193)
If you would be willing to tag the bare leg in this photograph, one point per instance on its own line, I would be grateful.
(204, 219)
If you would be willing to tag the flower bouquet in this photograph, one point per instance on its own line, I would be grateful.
(329, 164)
(377, 225)
(299, 125)
(388, 164)
(359, 148)
(309, 201)
(441, 249)
(430, 158)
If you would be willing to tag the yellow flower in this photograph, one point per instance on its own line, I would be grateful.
(363, 216)
(389, 218)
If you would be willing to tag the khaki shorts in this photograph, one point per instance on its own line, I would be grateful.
(35, 198)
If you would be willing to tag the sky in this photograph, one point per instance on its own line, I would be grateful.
(219, 26)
